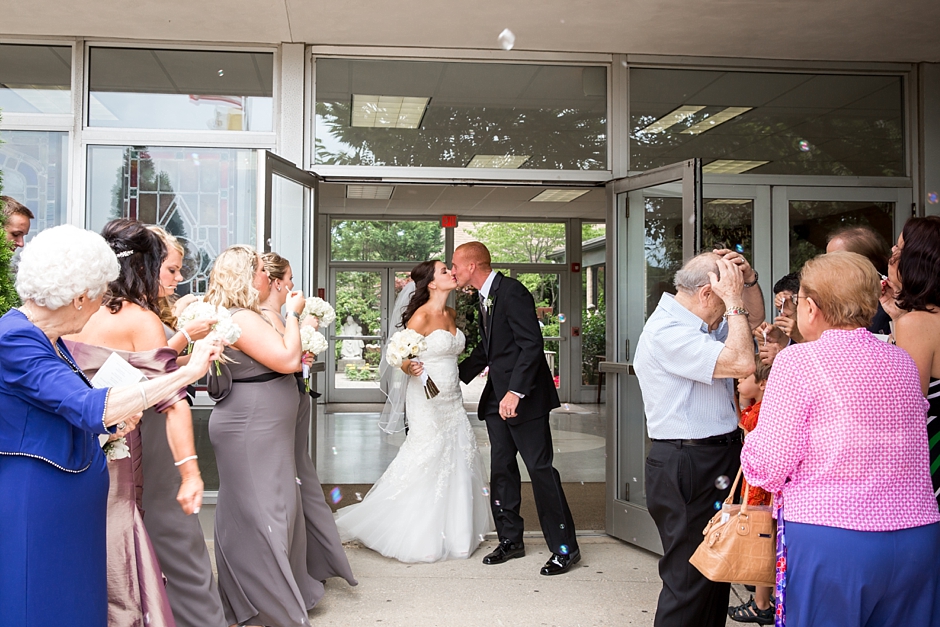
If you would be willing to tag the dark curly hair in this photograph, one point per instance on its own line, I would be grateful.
(919, 264)
(421, 274)
(143, 254)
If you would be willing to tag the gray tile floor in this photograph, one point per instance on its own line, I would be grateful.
(352, 449)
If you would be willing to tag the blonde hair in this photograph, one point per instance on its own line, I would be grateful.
(230, 281)
(845, 286)
(275, 265)
(165, 303)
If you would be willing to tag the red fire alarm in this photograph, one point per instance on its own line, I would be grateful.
(321, 292)
(448, 222)
(575, 331)
(576, 267)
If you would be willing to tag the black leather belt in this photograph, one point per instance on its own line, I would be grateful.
(716, 440)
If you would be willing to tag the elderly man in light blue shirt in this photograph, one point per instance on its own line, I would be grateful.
(692, 347)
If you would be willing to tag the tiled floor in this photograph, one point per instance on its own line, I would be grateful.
(352, 449)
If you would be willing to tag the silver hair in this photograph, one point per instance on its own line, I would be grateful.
(62, 263)
(694, 272)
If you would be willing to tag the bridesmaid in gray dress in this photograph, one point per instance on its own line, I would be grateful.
(325, 555)
(260, 541)
(178, 539)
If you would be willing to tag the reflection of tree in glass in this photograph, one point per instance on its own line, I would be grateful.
(555, 139)
(727, 224)
(663, 247)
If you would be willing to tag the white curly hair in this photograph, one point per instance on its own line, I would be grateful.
(62, 263)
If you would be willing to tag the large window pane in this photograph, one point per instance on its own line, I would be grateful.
(464, 115)
(811, 222)
(663, 245)
(378, 240)
(517, 242)
(204, 196)
(767, 123)
(181, 89)
(594, 302)
(35, 172)
(728, 223)
(35, 79)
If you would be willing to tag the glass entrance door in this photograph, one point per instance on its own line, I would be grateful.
(654, 223)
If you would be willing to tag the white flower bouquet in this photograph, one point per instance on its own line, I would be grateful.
(115, 448)
(409, 344)
(313, 342)
(225, 328)
(319, 309)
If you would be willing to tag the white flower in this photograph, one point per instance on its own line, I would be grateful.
(227, 329)
(198, 310)
(404, 344)
(320, 309)
(114, 449)
(312, 341)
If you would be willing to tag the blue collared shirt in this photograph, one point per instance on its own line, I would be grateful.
(674, 362)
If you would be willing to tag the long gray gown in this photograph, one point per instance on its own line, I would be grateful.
(177, 538)
(260, 539)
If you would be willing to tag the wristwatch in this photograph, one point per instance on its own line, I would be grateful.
(294, 314)
(754, 282)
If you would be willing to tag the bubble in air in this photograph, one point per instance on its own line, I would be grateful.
(496, 503)
(805, 146)
(933, 198)
(739, 248)
(486, 491)
(563, 549)
(722, 482)
(358, 496)
(297, 479)
(334, 450)
(221, 72)
(506, 39)
(562, 317)
(336, 495)
(561, 526)
(481, 537)
(717, 505)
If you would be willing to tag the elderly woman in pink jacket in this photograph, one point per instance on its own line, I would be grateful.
(842, 444)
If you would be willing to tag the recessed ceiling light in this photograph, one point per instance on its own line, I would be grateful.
(672, 118)
(388, 111)
(370, 192)
(731, 166)
(508, 162)
(730, 201)
(559, 195)
(714, 120)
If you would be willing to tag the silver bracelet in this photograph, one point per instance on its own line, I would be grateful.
(189, 340)
(143, 395)
(185, 459)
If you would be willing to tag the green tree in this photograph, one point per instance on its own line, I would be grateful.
(521, 242)
(377, 240)
(8, 296)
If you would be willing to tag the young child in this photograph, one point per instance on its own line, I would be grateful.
(759, 608)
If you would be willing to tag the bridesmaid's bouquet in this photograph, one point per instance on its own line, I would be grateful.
(319, 309)
(408, 344)
(225, 327)
(313, 342)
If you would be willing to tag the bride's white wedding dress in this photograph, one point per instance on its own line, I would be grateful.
(432, 503)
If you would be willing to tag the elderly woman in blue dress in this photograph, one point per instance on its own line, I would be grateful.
(53, 477)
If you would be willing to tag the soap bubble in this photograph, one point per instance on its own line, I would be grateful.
(506, 39)
(933, 198)
(561, 526)
(805, 146)
(358, 496)
(722, 482)
(563, 549)
(717, 505)
(562, 317)
(496, 503)
(486, 491)
(297, 479)
(334, 450)
(739, 248)
(221, 72)
(336, 495)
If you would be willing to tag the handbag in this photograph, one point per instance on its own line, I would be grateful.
(740, 543)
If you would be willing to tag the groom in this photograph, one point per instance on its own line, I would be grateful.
(516, 401)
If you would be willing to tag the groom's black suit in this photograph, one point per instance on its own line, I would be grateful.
(512, 346)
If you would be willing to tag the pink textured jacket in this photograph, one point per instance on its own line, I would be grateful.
(842, 436)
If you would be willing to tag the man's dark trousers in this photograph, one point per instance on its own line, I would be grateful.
(681, 495)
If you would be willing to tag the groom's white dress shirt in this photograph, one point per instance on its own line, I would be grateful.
(484, 294)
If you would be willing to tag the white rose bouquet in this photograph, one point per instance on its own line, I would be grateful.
(319, 309)
(408, 344)
(225, 328)
(313, 342)
(115, 448)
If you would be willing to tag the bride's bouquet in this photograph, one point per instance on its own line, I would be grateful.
(408, 344)
(224, 328)
(313, 342)
(319, 309)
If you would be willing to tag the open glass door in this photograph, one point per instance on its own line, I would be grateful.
(654, 224)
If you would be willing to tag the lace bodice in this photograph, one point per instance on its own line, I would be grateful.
(441, 343)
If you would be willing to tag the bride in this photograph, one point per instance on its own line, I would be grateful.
(432, 503)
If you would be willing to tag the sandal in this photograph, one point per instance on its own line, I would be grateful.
(750, 613)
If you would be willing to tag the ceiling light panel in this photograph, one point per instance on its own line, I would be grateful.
(731, 166)
(506, 162)
(712, 121)
(559, 195)
(388, 111)
(671, 119)
(370, 192)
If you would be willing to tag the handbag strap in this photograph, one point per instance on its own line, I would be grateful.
(745, 490)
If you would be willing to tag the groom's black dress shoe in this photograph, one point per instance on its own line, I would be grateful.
(504, 552)
(559, 564)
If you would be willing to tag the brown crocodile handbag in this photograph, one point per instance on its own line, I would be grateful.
(740, 544)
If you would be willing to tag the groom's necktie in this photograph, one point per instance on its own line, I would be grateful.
(485, 314)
